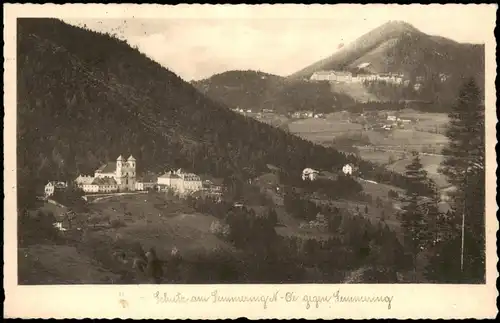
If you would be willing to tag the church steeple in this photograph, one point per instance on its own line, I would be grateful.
(119, 165)
(131, 163)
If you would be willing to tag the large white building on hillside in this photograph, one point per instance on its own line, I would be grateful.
(182, 183)
(348, 77)
(116, 176)
(332, 76)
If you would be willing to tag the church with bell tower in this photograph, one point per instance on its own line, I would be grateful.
(122, 171)
(125, 173)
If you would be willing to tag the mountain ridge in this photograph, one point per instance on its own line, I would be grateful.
(407, 40)
(257, 90)
(439, 64)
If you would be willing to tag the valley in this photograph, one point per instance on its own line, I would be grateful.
(366, 138)
(314, 176)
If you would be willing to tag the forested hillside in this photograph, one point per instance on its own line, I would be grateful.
(257, 90)
(84, 98)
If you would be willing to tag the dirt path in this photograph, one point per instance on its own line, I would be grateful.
(356, 276)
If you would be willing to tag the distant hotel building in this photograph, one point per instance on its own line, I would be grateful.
(348, 77)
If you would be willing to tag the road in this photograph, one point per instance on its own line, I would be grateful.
(99, 197)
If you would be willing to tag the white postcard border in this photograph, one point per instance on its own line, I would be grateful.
(120, 301)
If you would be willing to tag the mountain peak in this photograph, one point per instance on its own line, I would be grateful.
(393, 28)
(395, 46)
(399, 24)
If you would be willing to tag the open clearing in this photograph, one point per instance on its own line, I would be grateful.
(427, 121)
(379, 157)
(87, 255)
(430, 164)
(405, 139)
(317, 125)
(60, 264)
(160, 222)
(322, 131)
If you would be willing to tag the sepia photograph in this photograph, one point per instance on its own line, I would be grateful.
(224, 150)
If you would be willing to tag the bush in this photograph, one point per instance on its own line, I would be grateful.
(220, 229)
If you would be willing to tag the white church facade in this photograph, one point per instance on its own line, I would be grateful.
(111, 177)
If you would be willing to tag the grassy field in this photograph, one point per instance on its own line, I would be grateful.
(160, 222)
(405, 139)
(290, 226)
(322, 130)
(412, 138)
(378, 157)
(313, 125)
(60, 264)
(87, 255)
(378, 190)
(430, 164)
(427, 121)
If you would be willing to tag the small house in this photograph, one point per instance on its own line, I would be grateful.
(86, 184)
(52, 186)
(309, 174)
(347, 169)
(146, 182)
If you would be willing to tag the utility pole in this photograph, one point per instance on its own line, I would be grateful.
(463, 233)
(463, 221)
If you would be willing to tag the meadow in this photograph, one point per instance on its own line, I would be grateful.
(322, 130)
(427, 121)
(391, 148)
(86, 253)
(431, 165)
(156, 220)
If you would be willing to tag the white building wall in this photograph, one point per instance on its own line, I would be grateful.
(89, 188)
(164, 181)
(347, 169)
(102, 175)
(49, 190)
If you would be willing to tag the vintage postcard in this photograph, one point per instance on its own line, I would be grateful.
(267, 161)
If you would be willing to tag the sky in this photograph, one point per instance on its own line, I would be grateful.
(277, 41)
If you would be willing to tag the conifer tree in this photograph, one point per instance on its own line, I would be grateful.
(464, 168)
(415, 214)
